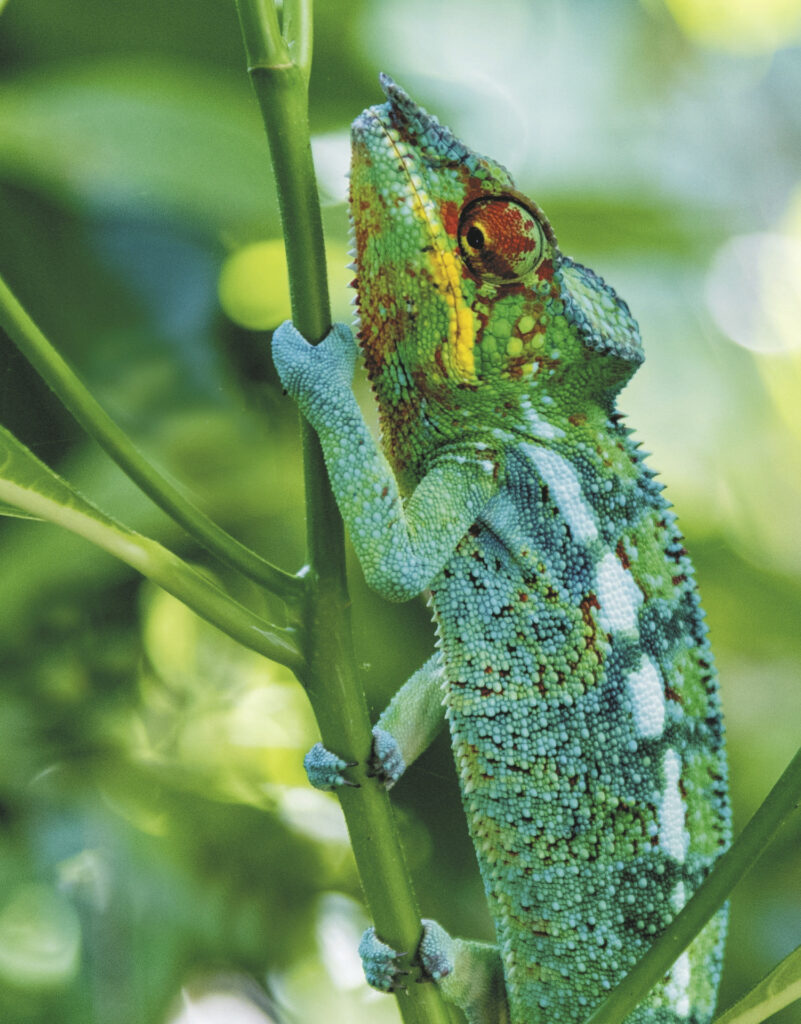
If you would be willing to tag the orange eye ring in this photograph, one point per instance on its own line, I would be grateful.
(501, 238)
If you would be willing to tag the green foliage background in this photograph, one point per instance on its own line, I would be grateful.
(156, 831)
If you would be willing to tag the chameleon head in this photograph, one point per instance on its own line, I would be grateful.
(464, 296)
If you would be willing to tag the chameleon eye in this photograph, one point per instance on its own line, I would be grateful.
(475, 238)
(500, 238)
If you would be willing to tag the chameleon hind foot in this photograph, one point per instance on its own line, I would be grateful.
(386, 760)
(324, 769)
(381, 963)
(435, 954)
(469, 973)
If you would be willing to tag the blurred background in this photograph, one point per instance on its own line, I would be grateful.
(162, 858)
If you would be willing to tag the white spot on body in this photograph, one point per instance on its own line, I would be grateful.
(618, 595)
(647, 699)
(539, 426)
(565, 490)
(678, 897)
(677, 988)
(673, 837)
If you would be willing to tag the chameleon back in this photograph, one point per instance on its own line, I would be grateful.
(586, 730)
(580, 690)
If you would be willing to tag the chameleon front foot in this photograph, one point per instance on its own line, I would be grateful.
(324, 769)
(381, 963)
(310, 372)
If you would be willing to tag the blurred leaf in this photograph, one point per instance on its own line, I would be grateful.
(27, 482)
(254, 286)
(632, 225)
(224, 998)
(219, 719)
(151, 137)
(50, 29)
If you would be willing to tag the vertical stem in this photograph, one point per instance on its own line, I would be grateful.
(331, 678)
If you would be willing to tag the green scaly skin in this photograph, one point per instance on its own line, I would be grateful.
(572, 661)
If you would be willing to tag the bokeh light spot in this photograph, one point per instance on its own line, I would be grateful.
(40, 938)
(740, 26)
(753, 291)
(254, 287)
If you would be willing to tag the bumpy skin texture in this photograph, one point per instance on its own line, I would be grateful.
(573, 660)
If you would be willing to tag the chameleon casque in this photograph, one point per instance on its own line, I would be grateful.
(572, 659)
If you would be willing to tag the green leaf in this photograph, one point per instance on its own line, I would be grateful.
(28, 484)
(777, 989)
(144, 136)
(15, 513)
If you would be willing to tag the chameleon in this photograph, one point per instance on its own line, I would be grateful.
(572, 662)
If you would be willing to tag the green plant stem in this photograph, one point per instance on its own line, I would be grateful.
(331, 678)
(749, 846)
(776, 990)
(297, 30)
(93, 418)
(162, 567)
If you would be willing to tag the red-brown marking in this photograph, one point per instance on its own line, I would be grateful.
(545, 270)
(449, 212)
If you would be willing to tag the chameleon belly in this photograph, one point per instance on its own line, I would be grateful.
(585, 723)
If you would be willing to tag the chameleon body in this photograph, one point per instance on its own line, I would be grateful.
(572, 659)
